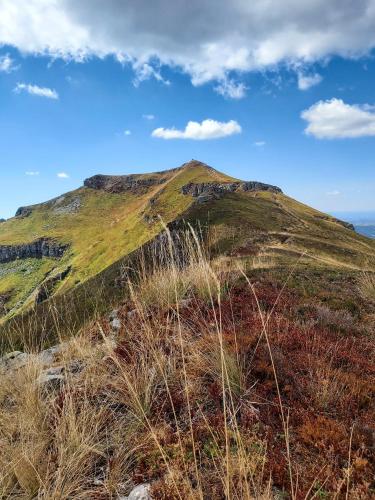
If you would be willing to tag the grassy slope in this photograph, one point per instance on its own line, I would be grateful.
(105, 228)
(108, 227)
(248, 223)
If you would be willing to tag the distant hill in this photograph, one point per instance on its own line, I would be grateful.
(65, 244)
(366, 229)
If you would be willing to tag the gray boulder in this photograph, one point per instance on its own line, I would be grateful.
(140, 492)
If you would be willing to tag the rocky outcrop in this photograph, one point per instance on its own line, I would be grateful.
(23, 212)
(46, 288)
(43, 247)
(122, 183)
(343, 223)
(207, 191)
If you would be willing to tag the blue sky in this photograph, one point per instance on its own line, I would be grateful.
(66, 114)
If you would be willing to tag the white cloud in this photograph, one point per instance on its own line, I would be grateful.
(259, 144)
(32, 173)
(7, 64)
(307, 81)
(334, 119)
(230, 89)
(333, 193)
(63, 175)
(35, 90)
(145, 71)
(127, 132)
(207, 40)
(208, 129)
(148, 117)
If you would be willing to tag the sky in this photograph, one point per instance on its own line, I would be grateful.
(279, 92)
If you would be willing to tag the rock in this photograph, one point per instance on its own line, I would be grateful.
(46, 288)
(49, 356)
(140, 492)
(68, 208)
(206, 191)
(43, 247)
(13, 361)
(2, 220)
(115, 324)
(113, 315)
(24, 212)
(134, 183)
(52, 378)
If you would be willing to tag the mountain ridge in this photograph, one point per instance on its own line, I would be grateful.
(110, 217)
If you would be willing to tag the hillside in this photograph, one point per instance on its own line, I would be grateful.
(51, 248)
(184, 334)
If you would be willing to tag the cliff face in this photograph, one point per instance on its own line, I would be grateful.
(210, 190)
(121, 183)
(43, 247)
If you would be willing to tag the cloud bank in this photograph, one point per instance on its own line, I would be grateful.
(334, 119)
(208, 129)
(207, 39)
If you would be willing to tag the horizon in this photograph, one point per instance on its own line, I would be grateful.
(282, 107)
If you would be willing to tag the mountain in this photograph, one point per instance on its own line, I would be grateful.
(73, 243)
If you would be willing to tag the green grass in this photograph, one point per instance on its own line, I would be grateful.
(107, 227)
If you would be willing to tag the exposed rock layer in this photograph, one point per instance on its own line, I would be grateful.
(210, 190)
(122, 183)
(43, 247)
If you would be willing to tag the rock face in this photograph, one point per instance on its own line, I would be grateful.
(43, 247)
(46, 288)
(24, 212)
(207, 191)
(122, 183)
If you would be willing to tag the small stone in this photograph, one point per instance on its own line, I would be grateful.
(140, 492)
(116, 324)
(113, 315)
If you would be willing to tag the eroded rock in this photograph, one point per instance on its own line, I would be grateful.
(42, 247)
(122, 183)
(206, 191)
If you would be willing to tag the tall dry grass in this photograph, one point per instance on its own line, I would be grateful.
(137, 409)
(366, 286)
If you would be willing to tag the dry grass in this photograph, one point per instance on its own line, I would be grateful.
(366, 286)
(170, 401)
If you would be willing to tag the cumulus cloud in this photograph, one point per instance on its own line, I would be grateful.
(207, 129)
(7, 64)
(148, 117)
(36, 90)
(32, 173)
(335, 192)
(208, 40)
(63, 175)
(307, 81)
(334, 119)
(259, 144)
